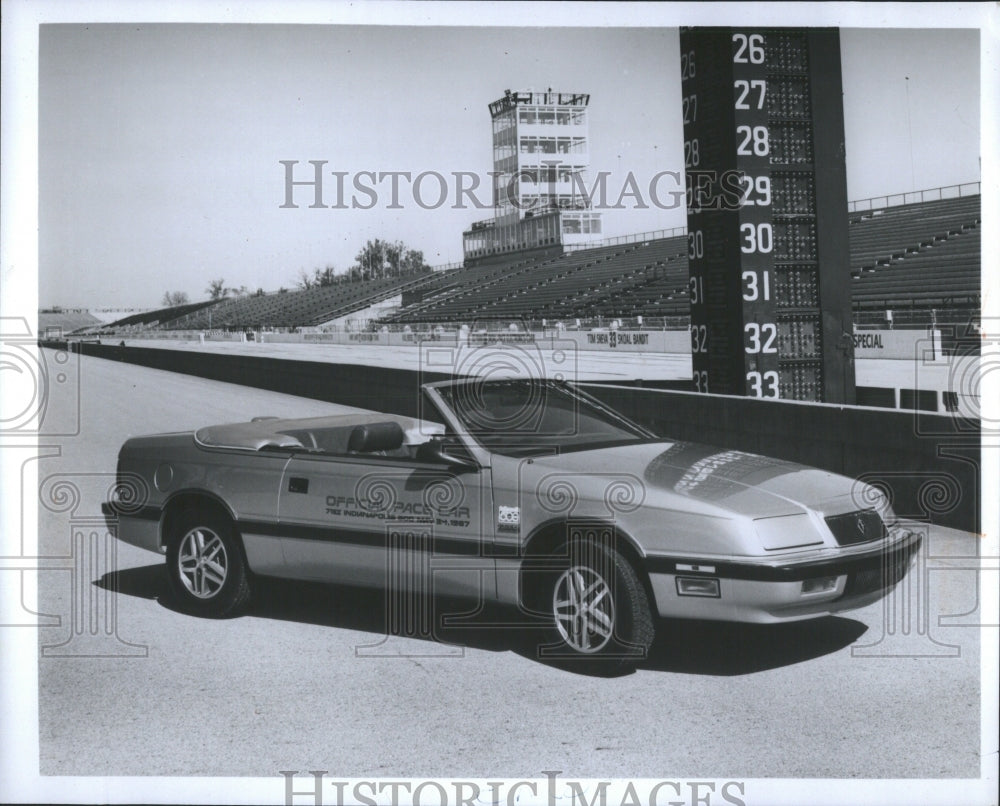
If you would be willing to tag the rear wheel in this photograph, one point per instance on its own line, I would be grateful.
(208, 574)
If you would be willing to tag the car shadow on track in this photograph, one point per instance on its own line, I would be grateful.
(446, 621)
(728, 649)
(681, 646)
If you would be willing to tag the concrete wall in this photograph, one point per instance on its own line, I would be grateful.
(631, 341)
(929, 462)
(902, 344)
(868, 344)
(365, 337)
(160, 335)
(642, 341)
(182, 335)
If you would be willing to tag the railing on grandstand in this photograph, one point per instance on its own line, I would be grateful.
(874, 203)
(897, 317)
(915, 197)
(624, 239)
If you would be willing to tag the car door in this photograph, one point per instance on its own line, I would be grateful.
(249, 483)
(376, 520)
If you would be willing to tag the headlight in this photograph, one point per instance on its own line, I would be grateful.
(787, 532)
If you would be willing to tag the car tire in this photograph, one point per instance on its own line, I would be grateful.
(206, 566)
(599, 609)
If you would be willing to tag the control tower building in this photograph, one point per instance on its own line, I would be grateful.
(539, 143)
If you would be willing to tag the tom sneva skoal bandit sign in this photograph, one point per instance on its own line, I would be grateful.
(530, 493)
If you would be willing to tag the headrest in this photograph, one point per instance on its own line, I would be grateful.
(387, 436)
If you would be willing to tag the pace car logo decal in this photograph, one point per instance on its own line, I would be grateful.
(392, 510)
(508, 519)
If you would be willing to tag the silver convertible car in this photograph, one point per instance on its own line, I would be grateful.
(529, 493)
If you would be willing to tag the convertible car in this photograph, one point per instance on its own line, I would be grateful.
(530, 493)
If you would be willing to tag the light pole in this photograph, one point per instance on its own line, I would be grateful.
(909, 131)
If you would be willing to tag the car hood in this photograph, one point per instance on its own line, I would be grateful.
(672, 473)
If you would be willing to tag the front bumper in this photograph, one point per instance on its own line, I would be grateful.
(769, 591)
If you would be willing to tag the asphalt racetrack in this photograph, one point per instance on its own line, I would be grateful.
(309, 680)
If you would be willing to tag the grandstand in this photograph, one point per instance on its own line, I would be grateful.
(922, 256)
(160, 317)
(284, 309)
(574, 284)
(919, 258)
(65, 321)
(306, 308)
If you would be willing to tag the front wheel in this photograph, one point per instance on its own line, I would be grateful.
(600, 609)
(205, 564)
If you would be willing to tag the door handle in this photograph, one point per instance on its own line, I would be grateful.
(298, 485)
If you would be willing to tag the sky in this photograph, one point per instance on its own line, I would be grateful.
(160, 146)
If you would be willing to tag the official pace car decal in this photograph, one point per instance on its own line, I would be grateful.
(408, 511)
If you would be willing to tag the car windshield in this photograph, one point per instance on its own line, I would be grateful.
(521, 417)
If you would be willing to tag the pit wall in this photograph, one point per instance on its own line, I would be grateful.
(894, 344)
(200, 336)
(933, 382)
(634, 341)
(924, 345)
(928, 462)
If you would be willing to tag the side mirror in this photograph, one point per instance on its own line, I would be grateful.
(437, 450)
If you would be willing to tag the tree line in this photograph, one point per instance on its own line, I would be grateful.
(377, 260)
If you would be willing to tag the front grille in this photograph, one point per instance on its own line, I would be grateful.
(856, 527)
(890, 569)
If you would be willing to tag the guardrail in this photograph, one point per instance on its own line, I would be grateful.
(915, 197)
(895, 317)
(655, 235)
